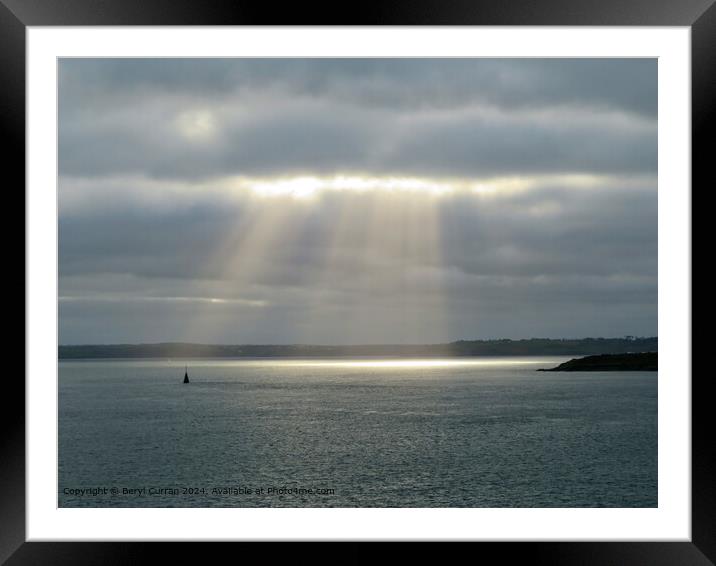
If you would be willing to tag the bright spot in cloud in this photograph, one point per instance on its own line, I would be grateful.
(303, 187)
(164, 195)
(196, 125)
(306, 187)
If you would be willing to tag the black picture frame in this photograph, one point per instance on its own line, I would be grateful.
(16, 15)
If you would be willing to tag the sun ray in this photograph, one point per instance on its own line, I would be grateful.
(386, 243)
(343, 257)
(244, 256)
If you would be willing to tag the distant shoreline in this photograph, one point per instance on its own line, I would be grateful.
(307, 358)
(462, 348)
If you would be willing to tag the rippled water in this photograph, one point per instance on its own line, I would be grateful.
(450, 433)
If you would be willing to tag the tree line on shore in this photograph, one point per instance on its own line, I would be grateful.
(499, 347)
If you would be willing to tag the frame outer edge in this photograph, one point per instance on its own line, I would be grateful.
(12, 416)
(12, 97)
(703, 102)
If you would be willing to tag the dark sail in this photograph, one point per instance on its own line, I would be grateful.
(186, 376)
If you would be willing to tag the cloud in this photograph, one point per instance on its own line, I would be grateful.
(623, 84)
(597, 249)
(403, 117)
(176, 222)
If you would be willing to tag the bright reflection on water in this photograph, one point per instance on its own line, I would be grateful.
(412, 364)
(379, 433)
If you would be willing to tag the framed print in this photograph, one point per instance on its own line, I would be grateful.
(402, 278)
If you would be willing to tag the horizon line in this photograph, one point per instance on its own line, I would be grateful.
(625, 337)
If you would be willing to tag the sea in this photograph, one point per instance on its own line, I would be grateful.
(459, 432)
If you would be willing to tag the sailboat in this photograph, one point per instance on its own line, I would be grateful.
(186, 375)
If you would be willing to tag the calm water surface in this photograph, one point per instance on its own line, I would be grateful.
(355, 433)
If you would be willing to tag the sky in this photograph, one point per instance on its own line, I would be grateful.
(356, 201)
